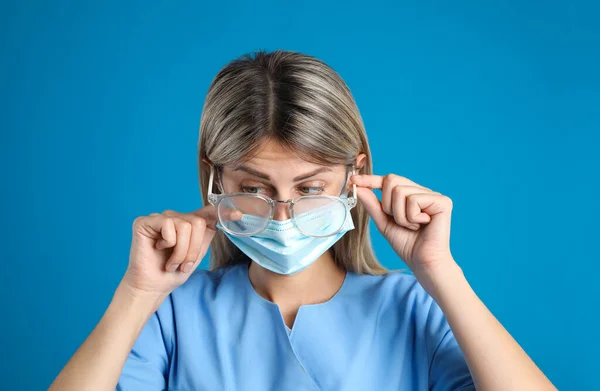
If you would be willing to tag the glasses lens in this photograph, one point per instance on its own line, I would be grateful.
(319, 216)
(246, 215)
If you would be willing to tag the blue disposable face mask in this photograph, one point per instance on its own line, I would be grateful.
(282, 248)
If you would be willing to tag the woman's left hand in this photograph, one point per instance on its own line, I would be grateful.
(414, 219)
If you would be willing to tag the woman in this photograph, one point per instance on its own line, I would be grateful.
(295, 299)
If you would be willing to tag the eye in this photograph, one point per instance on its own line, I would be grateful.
(310, 190)
(252, 189)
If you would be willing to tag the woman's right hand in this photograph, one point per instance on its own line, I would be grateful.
(165, 249)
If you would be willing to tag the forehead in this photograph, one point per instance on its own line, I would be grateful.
(282, 164)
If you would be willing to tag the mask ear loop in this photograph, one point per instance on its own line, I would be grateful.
(354, 199)
(351, 200)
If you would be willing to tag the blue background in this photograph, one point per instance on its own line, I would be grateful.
(496, 106)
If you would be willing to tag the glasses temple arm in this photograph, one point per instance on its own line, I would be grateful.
(353, 200)
(210, 194)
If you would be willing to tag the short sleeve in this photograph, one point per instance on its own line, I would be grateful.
(448, 370)
(147, 365)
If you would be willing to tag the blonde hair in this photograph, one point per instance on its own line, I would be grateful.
(303, 104)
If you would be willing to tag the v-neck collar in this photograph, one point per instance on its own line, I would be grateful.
(251, 292)
(243, 274)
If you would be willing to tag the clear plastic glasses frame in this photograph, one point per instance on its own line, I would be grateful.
(216, 199)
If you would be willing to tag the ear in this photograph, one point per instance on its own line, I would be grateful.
(360, 161)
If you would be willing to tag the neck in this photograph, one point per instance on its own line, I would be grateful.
(316, 284)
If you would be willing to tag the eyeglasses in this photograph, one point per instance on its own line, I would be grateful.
(246, 214)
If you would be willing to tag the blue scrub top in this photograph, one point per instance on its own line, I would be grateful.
(215, 332)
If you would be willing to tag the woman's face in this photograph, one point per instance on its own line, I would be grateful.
(280, 175)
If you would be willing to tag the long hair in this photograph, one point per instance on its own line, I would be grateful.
(300, 102)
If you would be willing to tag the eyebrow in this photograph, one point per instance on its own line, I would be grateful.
(296, 179)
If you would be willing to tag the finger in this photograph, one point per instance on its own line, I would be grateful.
(189, 269)
(168, 233)
(183, 231)
(377, 181)
(150, 226)
(370, 181)
(400, 209)
(373, 207)
(172, 213)
(430, 203)
(228, 214)
(195, 246)
(208, 213)
(225, 213)
(200, 240)
(414, 214)
(388, 186)
(434, 204)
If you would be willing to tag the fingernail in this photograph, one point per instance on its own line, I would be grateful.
(173, 267)
(415, 227)
(187, 267)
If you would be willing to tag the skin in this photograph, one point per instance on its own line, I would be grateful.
(415, 220)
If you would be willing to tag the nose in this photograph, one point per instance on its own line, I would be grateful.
(282, 211)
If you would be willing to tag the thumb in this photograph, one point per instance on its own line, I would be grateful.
(208, 213)
(373, 207)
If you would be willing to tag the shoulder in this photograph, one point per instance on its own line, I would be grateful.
(394, 285)
(202, 287)
(209, 283)
(398, 297)
(213, 278)
(202, 293)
